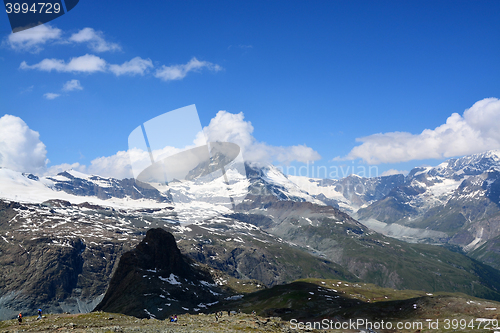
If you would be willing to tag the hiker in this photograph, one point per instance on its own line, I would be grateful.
(39, 314)
(175, 318)
(216, 316)
(20, 318)
(171, 319)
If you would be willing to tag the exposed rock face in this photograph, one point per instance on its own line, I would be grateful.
(106, 188)
(36, 275)
(156, 280)
(55, 256)
(236, 245)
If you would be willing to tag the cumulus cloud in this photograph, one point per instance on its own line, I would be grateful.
(178, 72)
(394, 172)
(476, 131)
(118, 165)
(20, 147)
(72, 85)
(224, 127)
(94, 39)
(51, 95)
(27, 90)
(136, 66)
(55, 169)
(88, 63)
(228, 127)
(32, 40)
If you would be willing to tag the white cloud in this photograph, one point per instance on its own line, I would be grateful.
(178, 72)
(72, 85)
(394, 172)
(476, 131)
(51, 95)
(88, 63)
(118, 165)
(20, 147)
(228, 127)
(55, 169)
(225, 127)
(94, 40)
(27, 90)
(33, 39)
(133, 67)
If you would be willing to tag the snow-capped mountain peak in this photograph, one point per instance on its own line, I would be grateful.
(77, 188)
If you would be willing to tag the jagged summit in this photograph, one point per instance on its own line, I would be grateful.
(458, 168)
(455, 203)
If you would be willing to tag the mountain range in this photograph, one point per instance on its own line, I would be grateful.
(456, 203)
(435, 229)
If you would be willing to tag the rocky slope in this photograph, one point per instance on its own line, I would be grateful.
(457, 202)
(340, 300)
(372, 257)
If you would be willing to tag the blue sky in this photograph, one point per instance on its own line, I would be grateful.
(314, 75)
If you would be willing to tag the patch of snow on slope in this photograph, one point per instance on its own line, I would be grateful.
(446, 187)
(273, 176)
(172, 279)
(313, 186)
(411, 235)
(477, 242)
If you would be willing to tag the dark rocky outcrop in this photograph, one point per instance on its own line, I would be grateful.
(156, 280)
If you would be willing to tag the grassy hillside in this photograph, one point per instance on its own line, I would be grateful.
(306, 301)
(317, 299)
